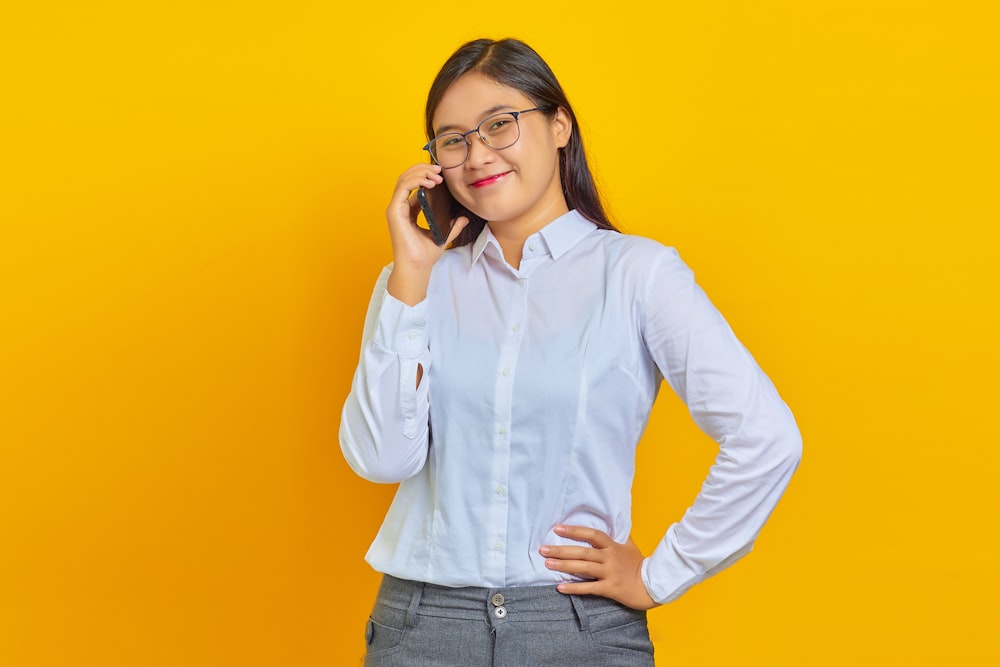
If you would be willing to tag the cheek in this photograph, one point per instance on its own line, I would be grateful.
(456, 189)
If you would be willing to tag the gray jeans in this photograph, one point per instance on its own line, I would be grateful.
(435, 626)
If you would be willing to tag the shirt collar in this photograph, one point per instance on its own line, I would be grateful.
(559, 236)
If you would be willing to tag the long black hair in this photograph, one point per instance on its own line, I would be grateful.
(512, 63)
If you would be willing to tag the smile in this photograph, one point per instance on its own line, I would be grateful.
(489, 180)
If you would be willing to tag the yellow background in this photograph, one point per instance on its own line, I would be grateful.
(191, 218)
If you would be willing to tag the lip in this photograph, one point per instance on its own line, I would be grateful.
(489, 180)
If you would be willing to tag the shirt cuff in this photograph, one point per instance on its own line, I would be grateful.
(402, 329)
(665, 575)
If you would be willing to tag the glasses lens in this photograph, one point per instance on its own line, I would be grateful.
(500, 131)
(449, 150)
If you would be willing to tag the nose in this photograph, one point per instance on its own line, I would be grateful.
(479, 153)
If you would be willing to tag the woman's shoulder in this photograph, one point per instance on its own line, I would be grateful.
(638, 252)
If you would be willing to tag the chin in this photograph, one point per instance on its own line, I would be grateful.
(497, 219)
(495, 213)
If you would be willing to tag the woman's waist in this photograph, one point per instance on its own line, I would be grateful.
(545, 601)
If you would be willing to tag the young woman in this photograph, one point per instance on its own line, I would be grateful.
(505, 382)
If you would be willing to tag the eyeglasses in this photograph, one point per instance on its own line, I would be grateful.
(498, 132)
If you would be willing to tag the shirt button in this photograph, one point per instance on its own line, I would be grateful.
(497, 600)
(411, 335)
(500, 612)
(501, 429)
(521, 281)
(532, 246)
(516, 328)
(506, 372)
(500, 491)
(497, 546)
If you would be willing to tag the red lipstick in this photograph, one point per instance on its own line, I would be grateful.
(489, 180)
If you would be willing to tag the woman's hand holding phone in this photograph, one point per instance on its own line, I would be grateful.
(436, 205)
(414, 249)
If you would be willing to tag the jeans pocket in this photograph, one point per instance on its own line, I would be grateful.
(385, 631)
(622, 631)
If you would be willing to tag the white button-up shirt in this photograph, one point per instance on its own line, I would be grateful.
(537, 385)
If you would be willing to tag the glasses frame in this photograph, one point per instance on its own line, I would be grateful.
(468, 144)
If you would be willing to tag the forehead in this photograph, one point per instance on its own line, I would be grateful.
(471, 98)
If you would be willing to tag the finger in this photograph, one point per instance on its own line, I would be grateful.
(581, 588)
(596, 538)
(572, 553)
(587, 569)
(431, 172)
(428, 175)
(427, 182)
(422, 175)
(414, 209)
(457, 228)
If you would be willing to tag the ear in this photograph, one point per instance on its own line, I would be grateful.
(562, 127)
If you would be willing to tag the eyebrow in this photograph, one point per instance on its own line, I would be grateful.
(486, 114)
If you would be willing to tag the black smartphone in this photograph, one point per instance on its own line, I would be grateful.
(438, 208)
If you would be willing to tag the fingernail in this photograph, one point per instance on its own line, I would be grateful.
(550, 562)
(544, 551)
(560, 529)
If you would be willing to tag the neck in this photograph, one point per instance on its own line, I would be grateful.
(512, 234)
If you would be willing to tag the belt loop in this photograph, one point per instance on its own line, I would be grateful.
(411, 613)
(581, 612)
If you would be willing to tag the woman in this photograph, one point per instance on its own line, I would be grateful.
(505, 383)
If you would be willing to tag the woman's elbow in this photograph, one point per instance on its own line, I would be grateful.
(380, 467)
(791, 444)
(382, 472)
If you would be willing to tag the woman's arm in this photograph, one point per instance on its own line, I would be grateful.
(734, 403)
(384, 426)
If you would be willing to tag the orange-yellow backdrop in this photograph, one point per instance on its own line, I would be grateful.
(191, 205)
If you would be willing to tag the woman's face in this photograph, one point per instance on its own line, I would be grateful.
(520, 184)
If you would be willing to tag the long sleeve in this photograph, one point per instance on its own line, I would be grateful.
(537, 402)
(733, 402)
(384, 424)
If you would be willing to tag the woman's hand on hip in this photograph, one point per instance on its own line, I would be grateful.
(615, 569)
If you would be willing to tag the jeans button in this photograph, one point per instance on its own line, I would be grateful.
(497, 600)
(500, 612)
